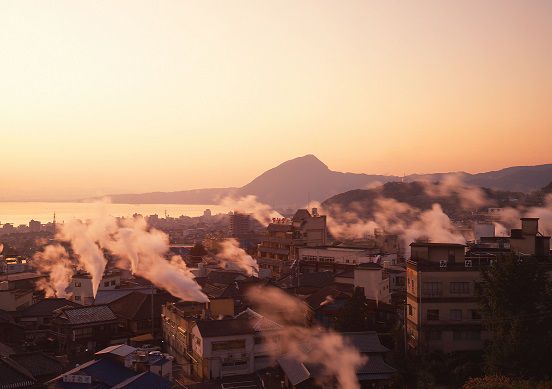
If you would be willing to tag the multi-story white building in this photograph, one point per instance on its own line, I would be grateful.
(222, 348)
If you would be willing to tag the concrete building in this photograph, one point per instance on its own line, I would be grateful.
(16, 290)
(279, 247)
(527, 240)
(442, 307)
(339, 258)
(374, 281)
(177, 320)
(240, 225)
(81, 286)
(229, 347)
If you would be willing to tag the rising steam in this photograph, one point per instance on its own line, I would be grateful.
(263, 213)
(309, 345)
(232, 256)
(55, 261)
(135, 247)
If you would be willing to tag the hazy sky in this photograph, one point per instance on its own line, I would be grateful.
(127, 96)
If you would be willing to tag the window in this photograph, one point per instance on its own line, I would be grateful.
(409, 310)
(77, 298)
(113, 282)
(466, 335)
(78, 284)
(459, 288)
(456, 314)
(434, 335)
(475, 314)
(432, 314)
(106, 284)
(432, 289)
(451, 256)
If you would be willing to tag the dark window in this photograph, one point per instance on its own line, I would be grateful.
(432, 314)
(456, 314)
(77, 284)
(432, 289)
(475, 314)
(106, 283)
(459, 288)
(451, 256)
(77, 298)
(434, 335)
(409, 310)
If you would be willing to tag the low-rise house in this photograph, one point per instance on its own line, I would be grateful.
(13, 375)
(106, 372)
(140, 360)
(81, 331)
(138, 315)
(36, 319)
(40, 365)
(374, 372)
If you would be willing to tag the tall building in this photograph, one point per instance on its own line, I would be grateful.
(240, 225)
(279, 247)
(442, 306)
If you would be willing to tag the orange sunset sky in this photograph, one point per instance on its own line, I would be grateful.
(104, 97)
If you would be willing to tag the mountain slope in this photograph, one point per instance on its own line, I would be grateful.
(294, 182)
(196, 196)
(363, 202)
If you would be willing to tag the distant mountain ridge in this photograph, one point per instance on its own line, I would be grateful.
(415, 194)
(297, 181)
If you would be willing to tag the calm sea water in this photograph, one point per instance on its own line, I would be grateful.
(20, 213)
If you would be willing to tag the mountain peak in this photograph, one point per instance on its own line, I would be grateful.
(308, 161)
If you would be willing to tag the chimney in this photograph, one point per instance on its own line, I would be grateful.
(529, 225)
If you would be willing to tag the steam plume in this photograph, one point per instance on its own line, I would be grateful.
(136, 247)
(311, 345)
(263, 213)
(231, 255)
(54, 261)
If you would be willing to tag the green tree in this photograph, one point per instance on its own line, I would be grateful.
(516, 301)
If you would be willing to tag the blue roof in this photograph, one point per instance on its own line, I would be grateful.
(145, 380)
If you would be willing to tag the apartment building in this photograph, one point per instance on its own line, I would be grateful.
(279, 247)
(442, 307)
(229, 347)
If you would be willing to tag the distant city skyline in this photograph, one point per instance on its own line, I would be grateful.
(128, 97)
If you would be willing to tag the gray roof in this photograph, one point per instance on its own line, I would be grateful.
(375, 369)
(366, 342)
(294, 370)
(121, 350)
(46, 307)
(90, 314)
